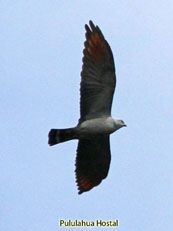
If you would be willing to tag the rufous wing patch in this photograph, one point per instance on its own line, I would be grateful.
(96, 47)
(85, 183)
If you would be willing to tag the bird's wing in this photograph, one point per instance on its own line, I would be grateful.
(98, 78)
(92, 162)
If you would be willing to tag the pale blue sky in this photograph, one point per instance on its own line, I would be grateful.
(41, 46)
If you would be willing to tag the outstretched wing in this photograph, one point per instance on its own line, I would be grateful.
(97, 77)
(92, 162)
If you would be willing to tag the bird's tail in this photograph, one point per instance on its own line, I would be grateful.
(57, 136)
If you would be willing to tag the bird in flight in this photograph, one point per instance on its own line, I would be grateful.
(95, 125)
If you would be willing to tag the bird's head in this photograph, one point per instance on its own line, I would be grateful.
(119, 123)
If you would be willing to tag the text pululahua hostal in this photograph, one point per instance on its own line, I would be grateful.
(83, 223)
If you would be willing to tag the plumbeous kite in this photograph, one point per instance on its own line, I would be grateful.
(95, 125)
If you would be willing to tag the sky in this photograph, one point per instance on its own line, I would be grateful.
(41, 45)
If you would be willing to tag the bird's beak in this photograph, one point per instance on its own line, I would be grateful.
(125, 125)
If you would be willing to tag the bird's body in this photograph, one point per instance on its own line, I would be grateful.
(88, 129)
(98, 126)
(95, 124)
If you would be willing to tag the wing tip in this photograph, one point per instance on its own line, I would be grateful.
(91, 27)
(85, 183)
